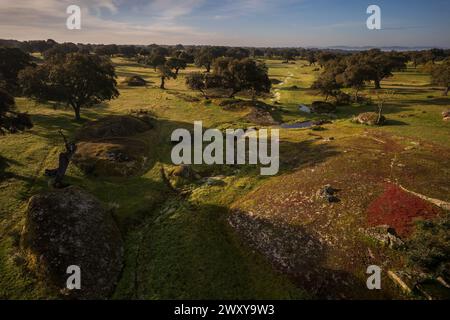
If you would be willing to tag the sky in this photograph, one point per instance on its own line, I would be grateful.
(275, 23)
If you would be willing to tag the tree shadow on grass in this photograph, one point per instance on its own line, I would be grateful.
(53, 123)
(5, 163)
(29, 181)
(188, 251)
(443, 101)
(391, 122)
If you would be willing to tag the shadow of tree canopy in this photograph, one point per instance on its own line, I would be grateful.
(193, 248)
(5, 163)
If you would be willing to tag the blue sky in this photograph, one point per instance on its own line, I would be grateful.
(306, 23)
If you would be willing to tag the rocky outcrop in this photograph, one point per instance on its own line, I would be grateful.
(184, 171)
(70, 227)
(446, 115)
(261, 117)
(370, 119)
(385, 235)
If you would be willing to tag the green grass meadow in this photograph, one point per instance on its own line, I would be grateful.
(183, 248)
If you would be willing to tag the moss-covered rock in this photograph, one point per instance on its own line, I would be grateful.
(370, 119)
(260, 117)
(71, 227)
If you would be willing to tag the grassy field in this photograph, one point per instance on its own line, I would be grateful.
(184, 248)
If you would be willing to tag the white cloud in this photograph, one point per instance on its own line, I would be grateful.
(43, 19)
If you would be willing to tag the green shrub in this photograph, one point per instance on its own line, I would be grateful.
(429, 247)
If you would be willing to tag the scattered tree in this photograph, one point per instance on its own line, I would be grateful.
(238, 75)
(12, 61)
(324, 57)
(382, 98)
(165, 73)
(327, 85)
(354, 76)
(176, 64)
(441, 75)
(11, 120)
(202, 82)
(204, 59)
(80, 80)
(311, 58)
(155, 60)
(289, 54)
(380, 64)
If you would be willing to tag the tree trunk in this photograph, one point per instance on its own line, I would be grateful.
(204, 94)
(380, 112)
(208, 68)
(163, 79)
(77, 112)
(446, 91)
(377, 84)
(233, 93)
(176, 71)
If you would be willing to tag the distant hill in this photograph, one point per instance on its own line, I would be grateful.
(393, 48)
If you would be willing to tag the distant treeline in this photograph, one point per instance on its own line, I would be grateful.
(312, 55)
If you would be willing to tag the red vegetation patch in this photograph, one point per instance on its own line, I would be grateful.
(399, 210)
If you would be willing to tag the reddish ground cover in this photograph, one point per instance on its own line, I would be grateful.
(399, 210)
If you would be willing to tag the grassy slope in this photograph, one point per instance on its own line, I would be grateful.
(183, 248)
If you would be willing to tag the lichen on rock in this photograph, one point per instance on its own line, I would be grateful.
(71, 227)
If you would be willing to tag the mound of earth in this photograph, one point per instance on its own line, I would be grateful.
(112, 147)
(111, 157)
(135, 81)
(113, 126)
(71, 227)
(322, 107)
(370, 119)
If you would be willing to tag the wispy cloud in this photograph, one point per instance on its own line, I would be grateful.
(42, 19)
(232, 22)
